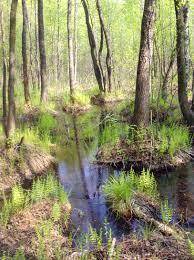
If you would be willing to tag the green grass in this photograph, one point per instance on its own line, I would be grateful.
(41, 135)
(172, 139)
(119, 191)
(48, 187)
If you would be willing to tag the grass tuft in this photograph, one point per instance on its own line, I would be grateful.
(119, 191)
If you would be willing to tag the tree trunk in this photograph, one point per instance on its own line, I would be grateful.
(93, 48)
(11, 83)
(108, 45)
(70, 49)
(42, 51)
(166, 77)
(4, 67)
(36, 44)
(75, 39)
(141, 111)
(24, 53)
(183, 59)
(58, 42)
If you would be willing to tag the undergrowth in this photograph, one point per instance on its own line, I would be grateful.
(41, 189)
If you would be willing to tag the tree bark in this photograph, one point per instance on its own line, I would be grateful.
(36, 44)
(166, 77)
(24, 53)
(141, 111)
(70, 49)
(183, 59)
(12, 39)
(75, 39)
(108, 45)
(4, 67)
(43, 66)
(93, 48)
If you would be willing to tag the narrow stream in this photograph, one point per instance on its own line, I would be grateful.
(83, 179)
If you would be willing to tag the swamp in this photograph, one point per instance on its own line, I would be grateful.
(96, 129)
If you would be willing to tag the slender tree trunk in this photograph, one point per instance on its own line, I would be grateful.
(58, 38)
(42, 51)
(4, 67)
(166, 77)
(141, 111)
(12, 39)
(108, 45)
(24, 53)
(75, 39)
(183, 58)
(70, 48)
(36, 44)
(100, 58)
(93, 48)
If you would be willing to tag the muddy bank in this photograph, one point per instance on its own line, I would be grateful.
(21, 165)
(140, 155)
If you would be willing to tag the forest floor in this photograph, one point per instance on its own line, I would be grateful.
(21, 164)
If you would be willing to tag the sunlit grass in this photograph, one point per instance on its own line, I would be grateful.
(172, 139)
(119, 191)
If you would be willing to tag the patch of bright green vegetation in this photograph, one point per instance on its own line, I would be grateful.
(172, 139)
(81, 98)
(41, 189)
(166, 211)
(162, 139)
(41, 135)
(119, 191)
(191, 247)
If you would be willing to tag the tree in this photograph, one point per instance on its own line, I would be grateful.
(141, 110)
(24, 53)
(11, 83)
(93, 48)
(183, 58)
(70, 48)
(108, 44)
(4, 67)
(42, 51)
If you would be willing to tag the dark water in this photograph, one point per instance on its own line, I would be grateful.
(83, 179)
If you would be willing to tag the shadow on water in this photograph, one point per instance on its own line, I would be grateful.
(84, 180)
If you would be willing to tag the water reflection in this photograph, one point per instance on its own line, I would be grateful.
(84, 180)
(178, 187)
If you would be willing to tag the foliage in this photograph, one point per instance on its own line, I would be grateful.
(48, 187)
(166, 212)
(120, 190)
(191, 247)
(173, 138)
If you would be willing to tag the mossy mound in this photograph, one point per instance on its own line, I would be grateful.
(140, 155)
